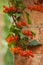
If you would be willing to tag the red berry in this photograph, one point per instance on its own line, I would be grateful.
(37, 8)
(24, 23)
(5, 7)
(25, 32)
(19, 48)
(31, 7)
(19, 25)
(29, 53)
(13, 9)
(5, 11)
(10, 9)
(16, 38)
(23, 53)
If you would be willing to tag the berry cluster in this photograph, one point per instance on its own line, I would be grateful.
(36, 8)
(22, 52)
(11, 39)
(9, 9)
(21, 24)
(27, 33)
(17, 29)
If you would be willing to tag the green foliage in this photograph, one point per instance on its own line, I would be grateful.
(14, 29)
(33, 33)
(18, 4)
(8, 58)
(6, 32)
(28, 20)
(13, 44)
(18, 16)
(21, 35)
(3, 2)
(34, 43)
(7, 21)
(7, 24)
(19, 1)
(23, 42)
(21, 6)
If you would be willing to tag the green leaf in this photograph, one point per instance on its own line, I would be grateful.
(14, 29)
(8, 58)
(7, 21)
(23, 42)
(19, 4)
(3, 2)
(27, 16)
(19, 1)
(7, 24)
(33, 33)
(34, 43)
(22, 6)
(6, 32)
(18, 15)
(21, 35)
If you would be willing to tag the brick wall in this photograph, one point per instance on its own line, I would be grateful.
(37, 26)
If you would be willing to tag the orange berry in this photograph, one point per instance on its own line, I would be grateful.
(16, 50)
(10, 39)
(12, 50)
(19, 48)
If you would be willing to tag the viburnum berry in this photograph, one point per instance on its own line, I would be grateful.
(16, 50)
(11, 39)
(26, 53)
(29, 53)
(27, 33)
(20, 51)
(23, 53)
(19, 48)
(37, 8)
(9, 9)
(5, 7)
(24, 23)
(19, 25)
(12, 9)
(16, 38)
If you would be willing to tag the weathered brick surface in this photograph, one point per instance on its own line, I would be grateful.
(41, 35)
(37, 60)
(41, 60)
